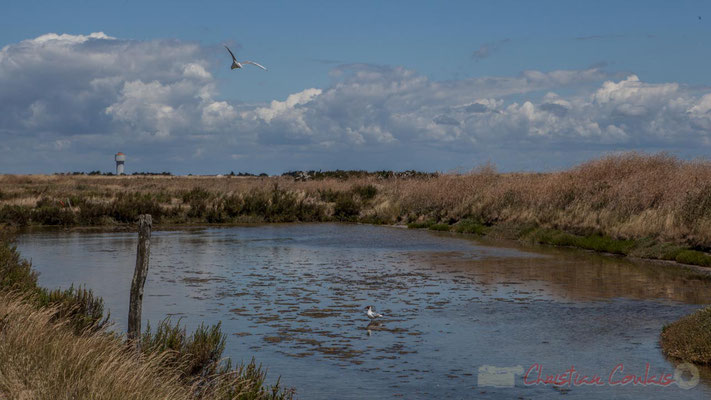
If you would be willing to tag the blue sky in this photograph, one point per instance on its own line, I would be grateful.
(396, 85)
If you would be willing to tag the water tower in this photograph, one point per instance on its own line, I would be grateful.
(120, 159)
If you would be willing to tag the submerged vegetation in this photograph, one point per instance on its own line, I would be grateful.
(54, 345)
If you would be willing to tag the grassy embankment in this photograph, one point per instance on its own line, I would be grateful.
(648, 206)
(54, 345)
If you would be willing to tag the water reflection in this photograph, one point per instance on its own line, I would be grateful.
(293, 296)
(578, 275)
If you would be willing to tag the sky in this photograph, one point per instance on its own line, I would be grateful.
(431, 86)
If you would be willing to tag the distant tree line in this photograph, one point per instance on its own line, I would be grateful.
(297, 175)
(347, 174)
(94, 173)
(232, 173)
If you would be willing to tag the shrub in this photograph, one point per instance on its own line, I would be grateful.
(255, 203)
(346, 208)
(196, 356)
(232, 205)
(198, 360)
(198, 208)
(216, 215)
(16, 274)
(282, 207)
(93, 213)
(127, 207)
(15, 215)
(78, 305)
(328, 195)
(366, 192)
(310, 212)
(53, 215)
(196, 194)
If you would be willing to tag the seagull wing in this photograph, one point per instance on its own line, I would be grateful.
(233, 56)
(254, 63)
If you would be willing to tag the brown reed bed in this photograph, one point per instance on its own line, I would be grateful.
(44, 359)
(657, 199)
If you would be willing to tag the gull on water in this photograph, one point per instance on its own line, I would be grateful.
(237, 64)
(372, 314)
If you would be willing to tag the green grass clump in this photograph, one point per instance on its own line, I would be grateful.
(605, 244)
(693, 257)
(420, 225)
(439, 227)
(470, 226)
(79, 306)
(198, 360)
(689, 338)
(599, 243)
(196, 356)
(16, 273)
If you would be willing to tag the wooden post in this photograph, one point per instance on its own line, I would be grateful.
(145, 223)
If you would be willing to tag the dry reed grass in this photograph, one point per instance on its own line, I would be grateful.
(625, 196)
(43, 359)
(628, 196)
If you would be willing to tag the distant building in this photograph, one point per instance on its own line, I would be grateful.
(120, 160)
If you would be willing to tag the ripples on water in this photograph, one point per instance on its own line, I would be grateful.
(294, 297)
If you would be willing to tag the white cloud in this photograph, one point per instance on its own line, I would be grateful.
(84, 94)
(53, 37)
(371, 105)
(277, 108)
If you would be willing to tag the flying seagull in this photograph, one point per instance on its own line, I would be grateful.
(371, 314)
(237, 64)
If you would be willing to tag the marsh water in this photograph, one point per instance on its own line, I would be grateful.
(458, 312)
